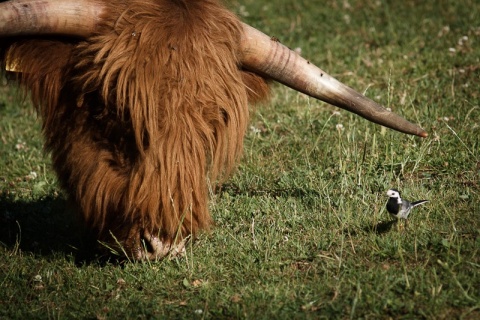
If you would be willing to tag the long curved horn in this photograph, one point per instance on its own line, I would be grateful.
(70, 18)
(263, 55)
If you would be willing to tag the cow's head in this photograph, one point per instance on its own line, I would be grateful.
(260, 54)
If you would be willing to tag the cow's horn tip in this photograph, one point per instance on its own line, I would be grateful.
(423, 134)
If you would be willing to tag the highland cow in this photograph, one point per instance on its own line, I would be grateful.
(144, 106)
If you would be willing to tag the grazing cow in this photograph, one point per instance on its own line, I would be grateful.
(144, 103)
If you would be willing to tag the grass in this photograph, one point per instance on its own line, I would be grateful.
(301, 229)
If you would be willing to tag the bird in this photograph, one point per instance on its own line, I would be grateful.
(398, 207)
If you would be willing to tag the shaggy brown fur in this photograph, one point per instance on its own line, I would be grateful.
(141, 118)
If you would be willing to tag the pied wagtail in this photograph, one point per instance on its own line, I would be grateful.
(398, 207)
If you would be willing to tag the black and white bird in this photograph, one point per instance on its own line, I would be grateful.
(398, 207)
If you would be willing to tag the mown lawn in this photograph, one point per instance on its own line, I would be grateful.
(301, 228)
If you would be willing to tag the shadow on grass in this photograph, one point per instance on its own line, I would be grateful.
(43, 227)
(49, 228)
(381, 227)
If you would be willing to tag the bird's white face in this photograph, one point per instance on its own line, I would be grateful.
(393, 194)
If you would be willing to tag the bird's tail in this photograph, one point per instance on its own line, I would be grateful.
(417, 203)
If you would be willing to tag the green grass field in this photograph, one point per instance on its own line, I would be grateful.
(301, 228)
